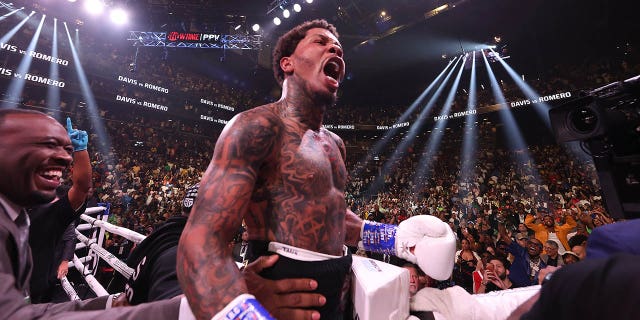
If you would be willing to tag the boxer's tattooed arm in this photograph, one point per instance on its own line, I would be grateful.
(353, 225)
(206, 271)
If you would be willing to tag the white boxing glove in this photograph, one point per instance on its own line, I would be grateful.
(424, 240)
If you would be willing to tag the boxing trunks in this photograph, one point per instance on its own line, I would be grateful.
(329, 271)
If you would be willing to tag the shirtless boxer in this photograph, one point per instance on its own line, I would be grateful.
(280, 170)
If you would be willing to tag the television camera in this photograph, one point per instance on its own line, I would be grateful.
(606, 121)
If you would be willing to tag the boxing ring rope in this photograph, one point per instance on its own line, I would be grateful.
(126, 233)
(87, 265)
(372, 286)
(107, 256)
(68, 288)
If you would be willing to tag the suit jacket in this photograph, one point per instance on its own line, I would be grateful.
(50, 242)
(12, 298)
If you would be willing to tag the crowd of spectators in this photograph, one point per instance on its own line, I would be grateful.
(146, 161)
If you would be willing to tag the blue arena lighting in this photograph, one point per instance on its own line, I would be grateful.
(53, 92)
(469, 145)
(120, 17)
(15, 29)
(21, 74)
(514, 138)
(414, 130)
(94, 7)
(4, 16)
(104, 145)
(433, 143)
(541, 108)
(76, 42)
(382, 143)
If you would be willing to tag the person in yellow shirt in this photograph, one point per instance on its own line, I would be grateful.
(549, 230)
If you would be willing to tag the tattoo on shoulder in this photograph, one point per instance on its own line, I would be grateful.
(251, 137)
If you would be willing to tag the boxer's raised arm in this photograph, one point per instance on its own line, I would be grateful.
(206, 271)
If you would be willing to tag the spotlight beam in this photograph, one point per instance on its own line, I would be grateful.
(18, 82)
(382, 143)
(517, 142)
(470, 132)
(541, 108)
(10, 13)
(15, 29)
(53, 92)
(414, 130)
(433, 143)
(514, 138)
(92, 107)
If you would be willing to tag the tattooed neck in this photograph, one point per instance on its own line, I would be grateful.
(305, 113)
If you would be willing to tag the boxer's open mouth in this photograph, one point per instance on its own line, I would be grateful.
(333, 68)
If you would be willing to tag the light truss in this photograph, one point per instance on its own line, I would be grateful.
(229, 41)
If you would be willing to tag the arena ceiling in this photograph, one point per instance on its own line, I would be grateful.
(402, 51)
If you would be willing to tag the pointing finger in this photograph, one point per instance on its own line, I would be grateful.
(69, 127)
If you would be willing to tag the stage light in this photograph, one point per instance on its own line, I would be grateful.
(16, 86)
(72, 0)
(286, 14)
(276, 21)
(309, 1)
(237, 27)
(255, 27)
(297, 7)
(94, 6)
(119, 16)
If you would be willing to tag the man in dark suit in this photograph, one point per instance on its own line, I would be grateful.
(35, 150)
(239, 251)
(51, 251)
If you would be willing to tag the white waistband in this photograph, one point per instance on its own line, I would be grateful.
(299, 253)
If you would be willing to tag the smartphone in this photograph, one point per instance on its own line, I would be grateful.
(490, 267)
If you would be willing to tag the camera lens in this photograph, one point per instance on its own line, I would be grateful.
(584, 120)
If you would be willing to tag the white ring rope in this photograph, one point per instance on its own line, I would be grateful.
(107, 256)
(97, 252)
(91, 280)
(128, 234)
(68, 288)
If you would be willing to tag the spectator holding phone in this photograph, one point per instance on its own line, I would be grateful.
(496, 276)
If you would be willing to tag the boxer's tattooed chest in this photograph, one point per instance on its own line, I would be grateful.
(306, 192)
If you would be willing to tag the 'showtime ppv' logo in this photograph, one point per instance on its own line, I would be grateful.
(192, 37)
